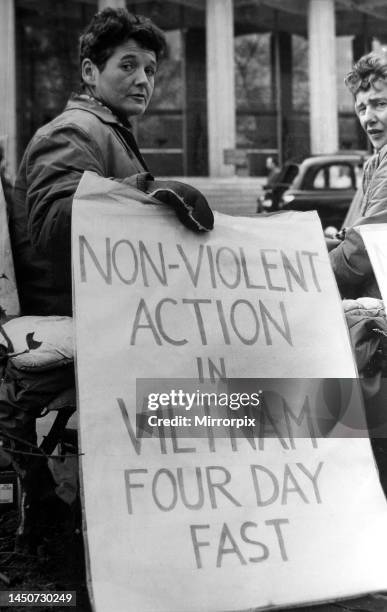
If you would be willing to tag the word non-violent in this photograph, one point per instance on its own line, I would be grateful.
(130, 262)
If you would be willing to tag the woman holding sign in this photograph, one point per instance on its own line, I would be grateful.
(119, 55)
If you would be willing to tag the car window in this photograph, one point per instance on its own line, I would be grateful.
(282, 177)
(321, 179)
(334, 176)
(290, 172)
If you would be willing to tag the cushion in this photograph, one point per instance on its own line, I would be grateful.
(40, 343)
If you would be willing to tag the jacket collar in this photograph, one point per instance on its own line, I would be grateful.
(382, 152)
(90, 104)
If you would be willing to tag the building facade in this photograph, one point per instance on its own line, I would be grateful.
(244, 80)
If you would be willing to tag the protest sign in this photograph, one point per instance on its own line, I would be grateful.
(213, 523)
(9, 302)
(375, 240)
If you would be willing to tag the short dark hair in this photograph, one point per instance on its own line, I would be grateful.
(370, 68)
(110, 28)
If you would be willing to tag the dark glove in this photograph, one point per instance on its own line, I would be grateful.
(189, 204)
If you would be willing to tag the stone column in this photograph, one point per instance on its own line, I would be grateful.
(8, 83)
(322, 76)
(220, 84)
(112, 3)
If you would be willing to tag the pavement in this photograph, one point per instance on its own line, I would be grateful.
(370, 603)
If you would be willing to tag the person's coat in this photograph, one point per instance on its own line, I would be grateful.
(351, 264)
(86, 136)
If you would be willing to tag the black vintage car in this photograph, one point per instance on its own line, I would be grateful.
(325, 183)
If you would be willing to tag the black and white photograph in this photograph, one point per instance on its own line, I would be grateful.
(193, 278)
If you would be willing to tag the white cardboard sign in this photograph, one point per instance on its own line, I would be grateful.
(211, 524)
(375, 239)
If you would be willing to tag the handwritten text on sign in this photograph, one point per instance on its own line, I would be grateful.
(375, 239)
(180, 524)
(245, 321)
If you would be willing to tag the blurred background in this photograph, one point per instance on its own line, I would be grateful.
(247, 82)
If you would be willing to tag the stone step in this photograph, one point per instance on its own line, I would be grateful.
(233, 196)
